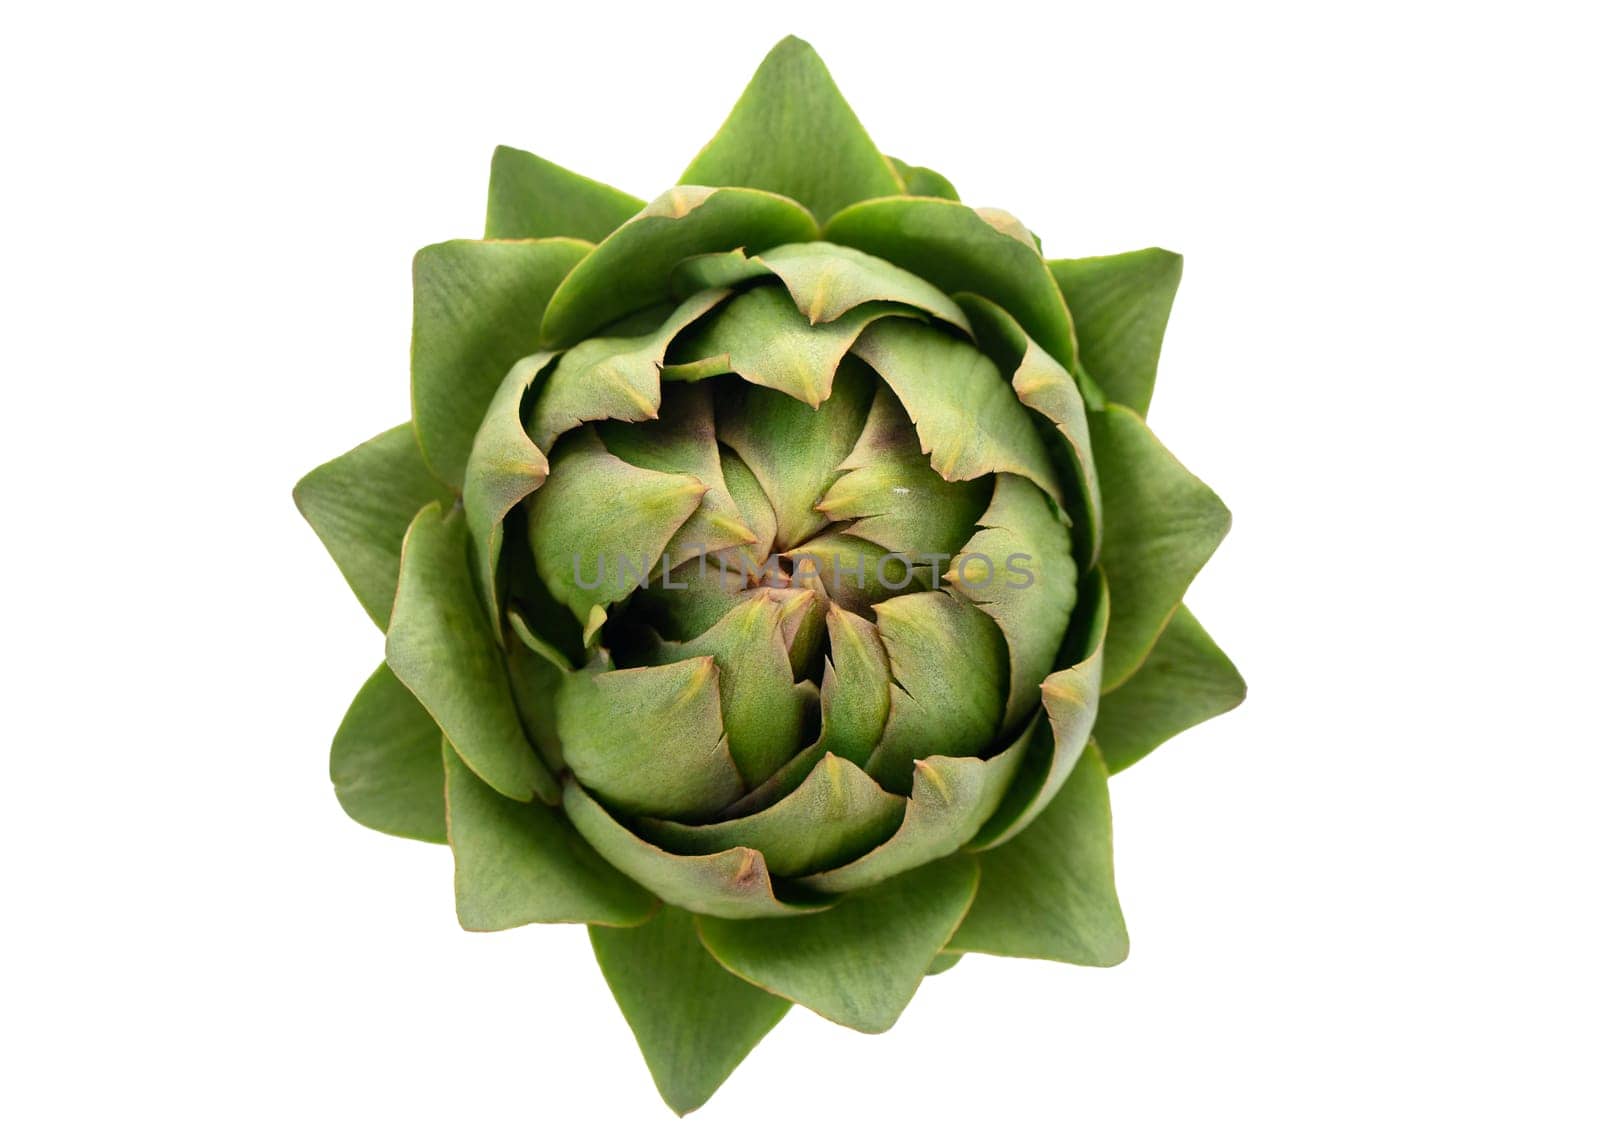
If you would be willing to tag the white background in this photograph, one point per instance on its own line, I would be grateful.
(1368, 897)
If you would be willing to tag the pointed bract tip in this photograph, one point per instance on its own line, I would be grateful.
(734, 529)
(596, 621)
(791, 43)
(834, 500)
(790, 49)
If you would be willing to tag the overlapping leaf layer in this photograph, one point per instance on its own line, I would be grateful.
(759, 572)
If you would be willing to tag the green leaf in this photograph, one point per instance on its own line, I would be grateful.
(943, 962)
(537, 670)
(544, 650)
(860, 962)
(967, 416)
(1002, 221)
(360, 505)
(804, 632)
(683, 440)
(503, 469)
(847, 569)
(441, 647)
(385, 762)
(1120, 305)
(1070, 698)
(599, 525)
(734, 883)
(649, 741)
(921, 181)
(1049, 894)
(948, 661)
(762, 337)
(716, 271)
(894, 496)
(950, 800)
(525, 594)
(476, 311)
(529, 196)
(1185, 681)
(1018, 569)
(754, 507)
(693, 1020)
(1161, 525)
(795, 450)
(855, 686)
(827, 280)
(632, 268)
(836, 814)
(523, 863)
(614, 378)
(854, 704)
(956, 249)
(1044, 386)
(793, 133)
(763, 710)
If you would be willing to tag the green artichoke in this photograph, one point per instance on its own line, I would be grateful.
(772, 574)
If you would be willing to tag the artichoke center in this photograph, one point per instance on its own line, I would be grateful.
(784, 474)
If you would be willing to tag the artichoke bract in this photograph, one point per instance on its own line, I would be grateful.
(772, 575)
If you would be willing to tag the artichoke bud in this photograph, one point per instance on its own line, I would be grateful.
(797, 431)
(758, 561)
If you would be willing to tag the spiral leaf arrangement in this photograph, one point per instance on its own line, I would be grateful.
(772, 575)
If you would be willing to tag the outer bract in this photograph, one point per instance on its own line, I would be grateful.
(772, 574)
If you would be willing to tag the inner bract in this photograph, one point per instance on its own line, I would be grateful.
(800, 520)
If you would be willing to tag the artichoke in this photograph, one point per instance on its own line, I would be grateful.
(772, 574)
